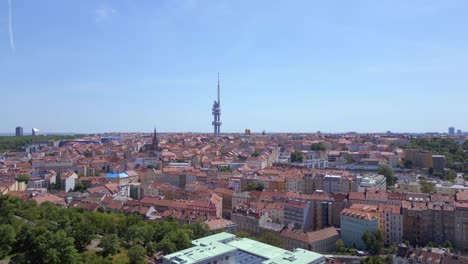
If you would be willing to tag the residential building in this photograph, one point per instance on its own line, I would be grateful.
(317, 164)
(427, 255)
(391, 220)
(321, 241)
(371, 182)
(438, 163)
(295, 183)
(328, 183)
(235, 184)
(68, 180)
(419, 158)
(353, 225)
(37, 183)
(461, 220)
(57, 165)
(247, 221)
(297, 213)
(221, 225)
(428, 221)
(257, 162)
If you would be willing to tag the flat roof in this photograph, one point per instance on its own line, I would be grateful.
(116, 175)
(213, 238)
(226, 243)
(257, 248)
(298, 256)
(199, 253)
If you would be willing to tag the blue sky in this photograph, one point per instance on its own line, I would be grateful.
(294, 66)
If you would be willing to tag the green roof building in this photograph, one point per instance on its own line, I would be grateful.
(225, 248)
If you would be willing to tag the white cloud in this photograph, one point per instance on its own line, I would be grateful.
(10, 27)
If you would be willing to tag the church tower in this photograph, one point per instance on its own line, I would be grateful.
(155, 140)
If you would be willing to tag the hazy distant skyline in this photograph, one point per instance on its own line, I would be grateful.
(292, 66)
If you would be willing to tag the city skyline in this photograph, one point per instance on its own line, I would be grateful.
(302, 67)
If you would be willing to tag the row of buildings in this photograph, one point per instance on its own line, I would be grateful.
(201, 178)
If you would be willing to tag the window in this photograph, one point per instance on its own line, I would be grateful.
(227, 257)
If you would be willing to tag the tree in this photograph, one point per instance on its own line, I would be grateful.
(296, 156)
(225, 168)
(408, 164)
(136, 234)
(242, 234)
(378, 260)
(386, 171)
(180, 239)
(169, 194)
(83, 232)
(448, 244)
(373, 241)
(256, 153)
(163, 228)
(110, 244)
(166, 246)
(23, 178)
(254, 186)
(450, 176)
(48, 247)
(339, 245)
(79, 187)
(196, 230)
(136, 254)
(151, 248)
(318, 146)
(7, 240)
(58, 183)
(448, 147)
(8, 143)
(90, 257)
(431, 171)
(432, 244)
(426, 186)
(271, 238)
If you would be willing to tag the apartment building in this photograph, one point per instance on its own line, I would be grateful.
(353, 225)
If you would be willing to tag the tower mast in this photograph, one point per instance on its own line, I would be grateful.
(216, 111)
(219, 91)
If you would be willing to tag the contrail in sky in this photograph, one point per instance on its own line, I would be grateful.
(10, 27)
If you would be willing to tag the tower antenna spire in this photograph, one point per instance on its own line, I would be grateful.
(219, 90)
(216, 111)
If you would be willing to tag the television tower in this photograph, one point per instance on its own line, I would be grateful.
(216, 111)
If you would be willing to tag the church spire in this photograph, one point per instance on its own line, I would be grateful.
(155, 140)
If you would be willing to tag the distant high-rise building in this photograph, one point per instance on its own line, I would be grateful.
(35, 132)
(459, 132)
(19, 131)
(216, 111)
(451, 131)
